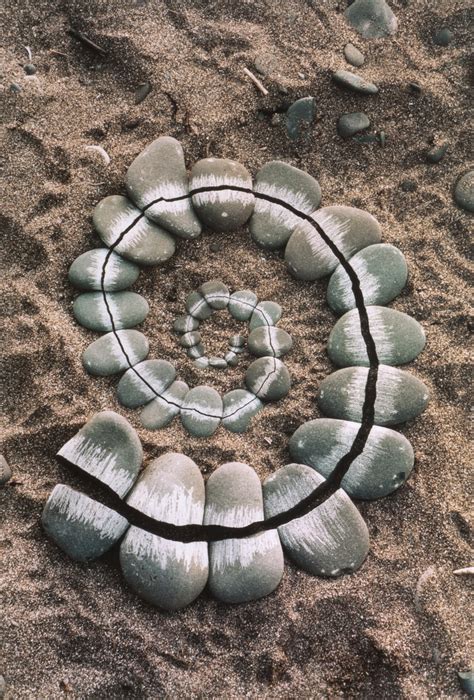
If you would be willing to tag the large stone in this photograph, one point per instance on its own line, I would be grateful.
(464, 191)
(158, 174)
(86, 271)
(385, 463)
(139, 239)
(160, 412)
(373, 19)
(239, 407)
(299, 117)
(272, 223)
(165, 572)
(201, 411)
(242, 304)
(266, 313)
(269, 341)
(354, 82)
(243, 569)
(109, 311)
(268, 378)
(115, 352)
(400, 396)
(144, 382)
(107, 448)
(330, 540)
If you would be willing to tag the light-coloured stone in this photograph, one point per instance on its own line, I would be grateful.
(102, 269)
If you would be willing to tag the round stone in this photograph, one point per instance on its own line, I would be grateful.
(201, 362)
(382, 272)
(144, 382)
(160, 412)
(197, 306)
(464, 191)
(231, 358)
(243, 569)
(95, 311)
(272, 223)
(201, 411)
(399, 338)
(215, 293)
(196, 351)
(299, 117)
(443, 37)
(185, 324)
(239, 407)
(115, 352)
(269, 340)
(385, 463)
(187, 340)
(266, 313)
(30, 69)
(139, 240)
(228, 207)
(399, 395)
(353, 56)
(165, 572)
(242, 304)
(237, 341)
(5, 471)
(217, 362)
(268, 378)
(350, 229)
(107, 448)
(158, 174)
(373, 19)
(330, 540)
(351, 123)
(86, 271)
(354, 82)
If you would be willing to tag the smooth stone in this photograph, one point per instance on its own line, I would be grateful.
(266, 313)
(185, 324)
(373, 19)
(165, 572)
(269, 340)
(107, 448)
(5, 471)
(128, 309)
(237, 341)
(398, 338)
(187, 340)
(231, 358)
(330, 540)
(466, 681)
(382, 272)
(201, 411)
(144, 382)
(353, 56)
(443, 37)
(144, 242)
(351, 123)
(299, 117)
(159, 171)
(236, 350)
(354, 82)
(160, 412)
(201, 362)
(242, 304)
(196, 351)
(215, 293)
(217, 362)
(239, 407)
(244, 569)
(115, 352)
(272, 224)
(86, 271)
(384, 465)
(197, 306)
(350, 229)
(226, 209)
(80, 526)
(437, 153)
(400, 395)
(464, 191)
(268, 378)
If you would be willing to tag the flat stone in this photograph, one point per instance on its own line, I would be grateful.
(80, 526)
(160, 412)
(107, 448)
(144, 382)
(226, 209)
(266, 313)
(127, 309)
(216, 293)
(201, 411)
(196, 351)
(373, 19)
(330, 540)
(217, 362)
(382, 272)
(350, 229)
(231, 358)
(268, 378)
(5, 471)
(384, 465)
(237, 341)
(185, 324)
(443, 37)
(400, 395)
(165, 572)
(269, 341)
(299, 117)
(354, 82)
(115, 352)
(86, 271)
(159, 173)
(351, 123)
(144, 242)
(464, 191)
(353, 55)
(201, 362)
(187, 340)
(271, 223)
(243, 569)
(197, 306)
(242, 304)
(399, 338)
(239, 407)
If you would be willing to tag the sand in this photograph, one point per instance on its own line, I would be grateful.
(399, 627)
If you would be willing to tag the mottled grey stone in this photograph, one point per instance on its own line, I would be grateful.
(373, 19)
(266, 313)
(144, 382)
(114, 352)
(187, 340)
(216, 293)
(269, 340)
(242, 304)
(353, 56)
(239, 407)
(160, 412)
(185, 324)
(354, 82)
(443, 37)
(464, 191)
(299, 118)
(86, 271)
(268, 378)
(127, 309)
(201, 411)
(351, 123)
(197, 306)
(5, 471)
(437, 153)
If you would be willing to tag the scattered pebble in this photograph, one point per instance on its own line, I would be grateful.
(30, 69)
(354, 82)
(443, 37)
(299, 117)
(466, 680)
(142, 91)
(5, 471)
(351, 123)
(373, 19)
(464, 191)
(15, 88)
(437, 153)
(408, 185)
(353, 56)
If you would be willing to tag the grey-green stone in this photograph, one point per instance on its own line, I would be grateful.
(266, 313)
(242, 304)
(201, 411)
(217, 362)
(354, 82)
(86, 271)
(196, 351)
(351, 123)
(231, 358)
(197, 306)
(239, 407)
(5, 471)
(269, 340)
(443, 37)
(373, 19)
(299, 118)
(144, 382)
(464, 191)
(215, 293)
(185, 324)
(437, 153)
(353, 55)
(466, 681)
(160, 412)
(201, 362)
(268, 378)
(238, 341)
(114, 352)
(128, 309)
(187, 340)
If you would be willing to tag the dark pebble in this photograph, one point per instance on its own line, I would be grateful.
(408, 186)
(437, 153)
(443, 37)
(30, 69)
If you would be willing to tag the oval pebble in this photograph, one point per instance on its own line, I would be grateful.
(127, 309)
(144, 382)
(185, 324)
(159, 173)
(464, 191)
(140, 240)
(272, 223)
(107, 448)
(382, 272)
(350, 229)
(201, 411)
(217, 362)
(373, 19)
(115, 352)
(215, 293)
(268, 378)
(197, 306)
(330, 540)
(398, 338)
(201, 362)
(196, 351)
(400, 395)
(160, 412)
(354, 82)
(86, 271)
(166, 573)
(351, 123)
(224, 209)
(5, 471)
(353, 55)
(266, 313)
(243, 569)
(242, 304)
(239, 407)
(299, 117)
(385, 463)
(269, 341)
(187, 340)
